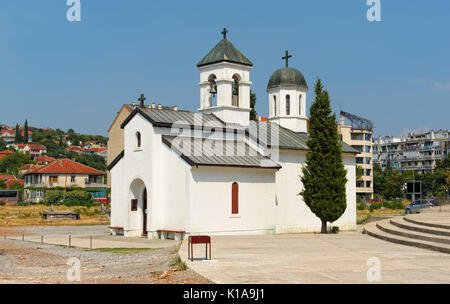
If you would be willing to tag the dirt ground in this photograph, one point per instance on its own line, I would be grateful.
(32, 215)
(27, 262)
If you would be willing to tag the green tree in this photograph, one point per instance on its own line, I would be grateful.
(378, 179)
(359, 172)
(25, 132)
(2, 145)
(393, 184)
(2, 184)
(324, 176)
(253, 113)
(17, 138)
(12, 162)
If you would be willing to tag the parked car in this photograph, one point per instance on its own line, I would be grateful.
(414, 207)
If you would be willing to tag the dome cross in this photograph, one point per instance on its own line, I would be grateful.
(286, 57)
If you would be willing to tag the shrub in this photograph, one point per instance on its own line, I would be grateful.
(335, 229)
(361, 206)
(54, 195)
(374, 206)
(177, 263)
(79, 195)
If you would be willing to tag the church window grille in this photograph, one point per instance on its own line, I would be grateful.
(300, 104)
(138, 139)
(274, 106)
(288, 105)
(235, 198)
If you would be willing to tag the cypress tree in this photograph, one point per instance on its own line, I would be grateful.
(25, 132)
(324, 176)
(252, 106)
(17, 138)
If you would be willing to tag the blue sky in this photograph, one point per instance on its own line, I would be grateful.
(62, 74)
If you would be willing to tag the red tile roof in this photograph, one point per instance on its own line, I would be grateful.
(44, 159)
(29, 166)
(37, 147)
(17, 181)
(3, 154)
(7, 177)
(96, 150)
(65, 166)
(75, 148)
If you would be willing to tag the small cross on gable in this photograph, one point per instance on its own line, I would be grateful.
(142, 99)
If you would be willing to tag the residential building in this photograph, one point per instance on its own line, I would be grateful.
(9, 135)
(62, 173)
(3, 154)
(358, 134)
(10, 180)
(33, 149)
(418, 151)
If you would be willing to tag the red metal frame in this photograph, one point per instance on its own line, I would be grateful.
(198, 239)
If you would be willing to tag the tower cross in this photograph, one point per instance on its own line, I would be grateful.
(287, 58)
(224, 33)
(142, 99)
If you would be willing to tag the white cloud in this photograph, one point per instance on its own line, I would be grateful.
(441, 86)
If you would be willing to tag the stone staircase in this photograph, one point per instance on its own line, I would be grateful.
(414, 230)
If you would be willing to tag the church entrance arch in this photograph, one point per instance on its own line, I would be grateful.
(138, 217)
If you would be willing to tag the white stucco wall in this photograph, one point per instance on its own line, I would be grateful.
(210, 209)
(293, 215)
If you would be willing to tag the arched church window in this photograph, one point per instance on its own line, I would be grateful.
(300, 104)
(235, 91)
(212, 90)
(235, 198)
(138, 139)
(274, 105)
(288, 105)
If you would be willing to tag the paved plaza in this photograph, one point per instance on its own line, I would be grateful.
(315, 258)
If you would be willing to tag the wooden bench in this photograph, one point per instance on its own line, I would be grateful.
(116, 230)
(198, 239)
(61, 215)
(164, 234)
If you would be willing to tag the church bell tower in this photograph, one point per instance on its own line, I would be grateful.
(225, 83)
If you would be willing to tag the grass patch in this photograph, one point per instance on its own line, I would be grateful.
(177, 263)
(125, 250)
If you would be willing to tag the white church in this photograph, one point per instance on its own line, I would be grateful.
(215, 171)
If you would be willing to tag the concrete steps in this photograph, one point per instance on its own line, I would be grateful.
(401, 231)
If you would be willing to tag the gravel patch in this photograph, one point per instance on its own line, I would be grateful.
(66, 230)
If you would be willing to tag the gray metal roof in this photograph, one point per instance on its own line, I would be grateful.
(203, 152)
(224, 51)
(166, 118)
(287, 77)
(287, 139)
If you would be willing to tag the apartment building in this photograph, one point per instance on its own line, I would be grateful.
(358, 134)
(419, 152)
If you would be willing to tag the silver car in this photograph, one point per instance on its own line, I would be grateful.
(414, 207)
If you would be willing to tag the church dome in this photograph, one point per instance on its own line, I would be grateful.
(287, 77)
